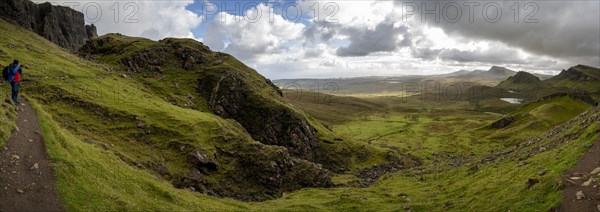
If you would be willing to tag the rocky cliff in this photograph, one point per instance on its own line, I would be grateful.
(60, 25)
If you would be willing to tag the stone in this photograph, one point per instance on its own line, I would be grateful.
(35, 166)
(580, 195)
(589, 182)
(595, 171)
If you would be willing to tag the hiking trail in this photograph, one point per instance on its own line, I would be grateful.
(27, 180)
(580, 192)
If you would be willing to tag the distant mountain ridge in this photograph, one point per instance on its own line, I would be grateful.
(580, 73)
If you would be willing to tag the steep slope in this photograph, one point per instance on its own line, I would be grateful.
(61, 25)
(579, 77)
(191, 149)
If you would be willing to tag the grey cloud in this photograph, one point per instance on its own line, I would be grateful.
(564, 29)
(383, 38)
(312, 53)
(328, 63)
(425, 53)
(321, 31)
(494, 56)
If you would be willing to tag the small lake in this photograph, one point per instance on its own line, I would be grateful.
(512, 100)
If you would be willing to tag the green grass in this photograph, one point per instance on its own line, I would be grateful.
(92, 179)
(538, 117)
(8, 116)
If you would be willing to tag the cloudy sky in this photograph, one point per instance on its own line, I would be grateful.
(308, 38)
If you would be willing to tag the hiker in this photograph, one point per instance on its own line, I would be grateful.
(12, 74)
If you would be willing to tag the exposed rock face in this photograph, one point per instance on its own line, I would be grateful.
(256, 172)
(91, 32)
(60, 25)
(229, 95)
(575, 75)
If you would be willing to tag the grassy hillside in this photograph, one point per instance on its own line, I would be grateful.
(578, 77)
(537, 117)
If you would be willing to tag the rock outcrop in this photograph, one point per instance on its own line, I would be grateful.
(60, 25)
(253, 102)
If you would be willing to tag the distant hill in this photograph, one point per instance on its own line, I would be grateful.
(458, 73)
(494, 73)
(521, 81)
(395, 84)
(499, 71)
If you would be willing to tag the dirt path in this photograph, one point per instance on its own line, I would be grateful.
(25, 186)
(574, 180)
